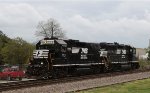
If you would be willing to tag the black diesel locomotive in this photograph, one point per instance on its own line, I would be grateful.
(57, 58)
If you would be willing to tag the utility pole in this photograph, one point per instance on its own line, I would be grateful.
(149, 43)
(52, 29)
(148, 51)
(52, 32)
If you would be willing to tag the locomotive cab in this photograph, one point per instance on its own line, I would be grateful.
(48, 52)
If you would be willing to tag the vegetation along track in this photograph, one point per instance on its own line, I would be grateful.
(34, 83)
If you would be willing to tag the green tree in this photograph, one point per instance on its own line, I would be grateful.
(17, 51)
(3, 41)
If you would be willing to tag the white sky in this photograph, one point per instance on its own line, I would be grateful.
(123, 21)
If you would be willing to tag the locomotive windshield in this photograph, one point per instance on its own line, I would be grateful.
(45, 47)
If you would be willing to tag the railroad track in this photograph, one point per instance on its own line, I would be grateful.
(34, 83)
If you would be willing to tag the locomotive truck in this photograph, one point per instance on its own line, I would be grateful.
(55, 57)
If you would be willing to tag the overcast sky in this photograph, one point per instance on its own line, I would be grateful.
(123, 21)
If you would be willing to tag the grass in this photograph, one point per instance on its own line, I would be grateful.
(139, 86)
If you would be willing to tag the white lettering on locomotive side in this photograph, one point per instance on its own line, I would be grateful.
(123, 56)
(124, 51)
(84, 50)
(84, 53)
(84, 56)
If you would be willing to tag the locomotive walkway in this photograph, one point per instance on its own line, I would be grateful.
(80, 83)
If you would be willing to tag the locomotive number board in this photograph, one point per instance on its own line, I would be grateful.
(43, 42)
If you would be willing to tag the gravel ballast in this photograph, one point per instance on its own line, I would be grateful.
(84, 84)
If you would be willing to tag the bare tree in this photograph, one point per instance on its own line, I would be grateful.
(50, 28)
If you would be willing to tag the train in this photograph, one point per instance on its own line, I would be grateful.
(55, 57)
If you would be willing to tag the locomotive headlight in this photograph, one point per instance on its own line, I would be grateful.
(42, 63)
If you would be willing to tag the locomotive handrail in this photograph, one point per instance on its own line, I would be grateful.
(50, 57)
(106, 62)
(48, 63)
